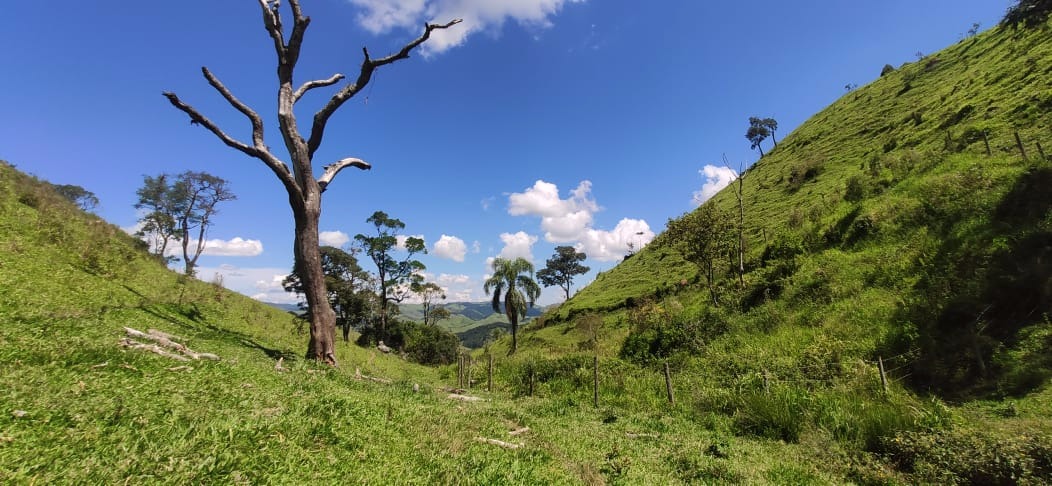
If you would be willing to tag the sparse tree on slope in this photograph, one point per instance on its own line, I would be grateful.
(394, 276)
(513, 279)
(705, 238)
(304, 191)
(772, 126)
(78, 195)
(178, 206)
(429, 292)
(757, 133)
(561, 268)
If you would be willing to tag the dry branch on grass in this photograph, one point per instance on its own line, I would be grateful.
(499, 443)
(518, 431)
(360, 377)
(163, 340)
(465, 398)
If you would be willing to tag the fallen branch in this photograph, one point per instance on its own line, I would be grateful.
(153, 348)
(465, 398)
(359, 376)
(499, 443)
(278, 366)
(181, 368)
(100, 365)
(519, 431)
(165, 335)
(165, 340)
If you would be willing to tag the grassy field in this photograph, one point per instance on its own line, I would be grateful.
(874, 231)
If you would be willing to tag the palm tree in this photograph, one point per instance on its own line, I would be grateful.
(520, 291)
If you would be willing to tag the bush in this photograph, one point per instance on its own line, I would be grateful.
(855, 189)
(973, 457)
(888, 69)
(430, 345)
(678, 334)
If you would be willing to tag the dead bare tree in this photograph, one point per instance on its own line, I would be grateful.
(303, 189)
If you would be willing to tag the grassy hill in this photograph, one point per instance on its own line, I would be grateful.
(880, 231)
(472, 322)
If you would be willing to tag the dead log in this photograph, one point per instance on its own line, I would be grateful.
(162, 339)
(465, 398)
(518, 431)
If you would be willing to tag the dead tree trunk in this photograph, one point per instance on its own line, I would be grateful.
(303, 189)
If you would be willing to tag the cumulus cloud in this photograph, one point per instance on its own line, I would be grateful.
(517, 245)
(237, 246)
(476, 247)
(333, 238)
(716, 178)
(628, 235)
(380, 16)
(571, 220)
(447, 279)
(450, 247)
(563, 220)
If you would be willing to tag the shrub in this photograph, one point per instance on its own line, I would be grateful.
(855, 189)
(888, 69)
(430, 345)
(973, 457)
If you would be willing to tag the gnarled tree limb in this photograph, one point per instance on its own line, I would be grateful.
(257, 122)
(332, 169)
(321, 118)
(199, 119)
(318, 83)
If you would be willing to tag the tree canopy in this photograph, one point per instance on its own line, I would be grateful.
(513, 279)
(394, 275)
(561, 269)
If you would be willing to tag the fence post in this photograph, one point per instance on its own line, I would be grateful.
(489, 375)
(1041, 151)
(595, 381)
(531, 380)
(668, 386)
(986, 140)
(883, 376)
(1022, 149)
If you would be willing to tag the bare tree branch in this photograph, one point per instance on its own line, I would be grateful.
(319, 83)
(332, 169)
(257, 122)
(321, 118)
(197, 118)
(272, 22)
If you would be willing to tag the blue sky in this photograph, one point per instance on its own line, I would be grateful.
(535, 123)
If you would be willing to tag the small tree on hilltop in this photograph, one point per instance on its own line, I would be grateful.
(83, 198)
(757, 133)
(562, 267)
(514, 279)
(429, 293)
(772, 126)
(303, 189)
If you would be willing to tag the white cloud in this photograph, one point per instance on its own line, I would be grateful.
(563, 220)
(333, 238)
(716, 178)
(381, 16)
(238, 247)
(609, 246)
(518, 245)
(450, 247)
(476, 247)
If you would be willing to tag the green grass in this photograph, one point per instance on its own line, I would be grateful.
(878, 226)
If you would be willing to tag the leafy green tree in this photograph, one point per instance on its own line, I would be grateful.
(562, 267)
(298, 178)
(772, 126)
(513, 279)
(428, 292)
(705, 238)
(176, 208)
(348, 285)
(1030, 13)
(757, 133)
(77, 195)
(394, 275)
(439, 314)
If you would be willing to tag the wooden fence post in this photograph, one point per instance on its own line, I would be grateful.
(1041, 151)
(595, 381)
(883, 376)
(986, 140)
(531, 380)
(1022, 149)
(489, 375)
(668, 386)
